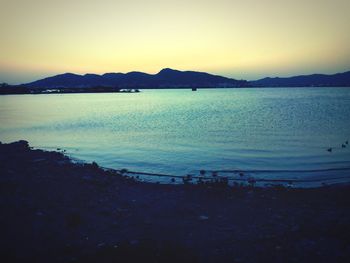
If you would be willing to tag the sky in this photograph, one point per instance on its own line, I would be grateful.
(246, 39)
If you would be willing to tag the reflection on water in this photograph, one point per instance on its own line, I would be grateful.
(180, 131)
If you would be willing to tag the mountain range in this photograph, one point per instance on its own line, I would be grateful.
(166, 78)
(314, 80)
(170, 78)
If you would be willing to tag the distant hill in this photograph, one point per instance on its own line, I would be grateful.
(315, 80)
(166, 78)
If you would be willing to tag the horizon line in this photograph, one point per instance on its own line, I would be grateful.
(157, 72)
(167, 68)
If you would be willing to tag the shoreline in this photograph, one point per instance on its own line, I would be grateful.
(235, 178)
(59, 211)
(18, 90)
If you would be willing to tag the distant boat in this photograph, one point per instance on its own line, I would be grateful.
(194, 89)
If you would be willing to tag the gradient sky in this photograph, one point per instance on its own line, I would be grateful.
(242, 39)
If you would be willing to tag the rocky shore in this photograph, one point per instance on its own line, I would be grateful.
(54, 210)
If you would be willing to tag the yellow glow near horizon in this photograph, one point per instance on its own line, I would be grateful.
(241, 39)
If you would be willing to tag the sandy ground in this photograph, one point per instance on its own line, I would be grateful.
(53, 210)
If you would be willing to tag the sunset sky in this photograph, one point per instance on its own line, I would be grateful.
(246, 39)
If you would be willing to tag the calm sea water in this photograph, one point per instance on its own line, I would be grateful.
(267, 133)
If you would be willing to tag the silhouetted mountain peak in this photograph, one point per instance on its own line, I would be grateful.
(111, 74)
(137, 73)
(91, 75)
(168, 70)
(67, 74)
(313, 80)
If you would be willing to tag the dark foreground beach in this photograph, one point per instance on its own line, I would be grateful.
(53, 210)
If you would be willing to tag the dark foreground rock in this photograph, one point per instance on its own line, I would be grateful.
(53, 210)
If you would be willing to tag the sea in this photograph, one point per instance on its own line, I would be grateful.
(273, 135)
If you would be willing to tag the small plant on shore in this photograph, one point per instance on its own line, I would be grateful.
(251, 181)
(200, 181)
(94, 165)
(123, 171)
(224, 181)
(187, 179)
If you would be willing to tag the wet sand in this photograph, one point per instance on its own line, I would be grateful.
(54, 210)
